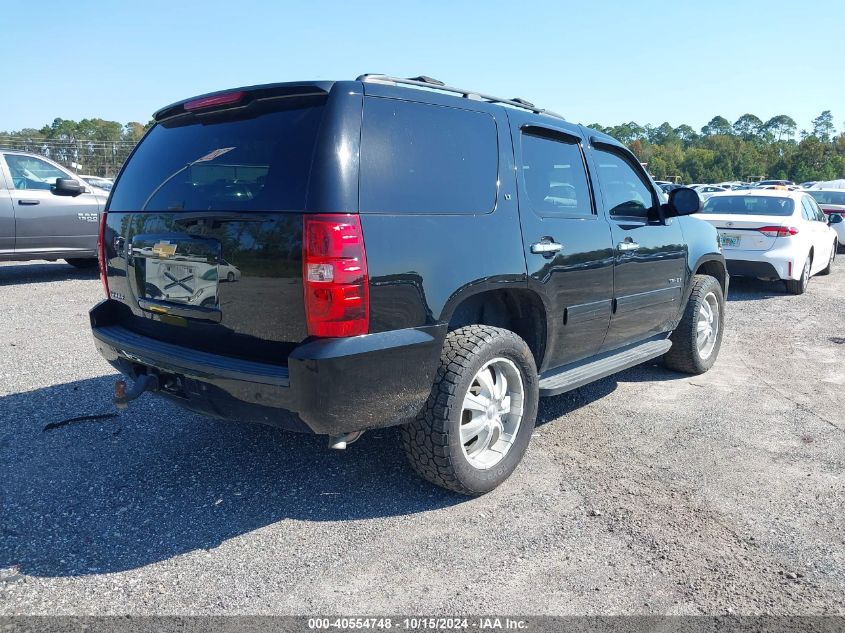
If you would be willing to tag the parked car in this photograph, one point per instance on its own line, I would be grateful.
(46, 211)
(669, 187)
(96, 181)
(774, 235)
(409, 254)
(832, 202)
(763, 183)
(228, 272)
(705, 191)
(830, 184)
(808, 184)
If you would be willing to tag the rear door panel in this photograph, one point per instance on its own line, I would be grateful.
(556, 206)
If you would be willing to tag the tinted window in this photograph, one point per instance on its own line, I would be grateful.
(749, 205)
(554, 177)
(829, 197)
(32, 173)
(625, 193)
(258, 160)
(421, 158)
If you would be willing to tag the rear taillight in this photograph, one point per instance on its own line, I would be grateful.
(101, 255)
(778, 231)
(334, 273)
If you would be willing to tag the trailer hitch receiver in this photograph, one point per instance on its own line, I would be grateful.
(123, 396)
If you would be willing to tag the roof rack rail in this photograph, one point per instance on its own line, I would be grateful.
(434, 84)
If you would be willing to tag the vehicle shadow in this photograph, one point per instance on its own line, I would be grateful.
(152, 482)
(750, 289)
(29, 273)
(554, 407)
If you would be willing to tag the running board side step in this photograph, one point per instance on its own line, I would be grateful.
(565, 380)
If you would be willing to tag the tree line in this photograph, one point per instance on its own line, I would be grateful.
(91, 146)
(747, 149)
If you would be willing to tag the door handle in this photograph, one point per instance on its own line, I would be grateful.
(28, 201)
(546, 247)
(627, 245)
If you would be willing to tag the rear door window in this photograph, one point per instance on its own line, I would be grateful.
(554, 177)
(817, 210)
(423, 158)
(253, 160)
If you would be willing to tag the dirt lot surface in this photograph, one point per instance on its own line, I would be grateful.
(647, 492)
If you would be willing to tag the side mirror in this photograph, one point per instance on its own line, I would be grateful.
(683, 201)
(67, 187)
(834, 218)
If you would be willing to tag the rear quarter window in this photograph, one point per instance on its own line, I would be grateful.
(422, 158)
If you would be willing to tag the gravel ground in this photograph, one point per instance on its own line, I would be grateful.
(647, 492)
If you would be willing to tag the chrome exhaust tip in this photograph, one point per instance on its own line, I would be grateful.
(340, 442)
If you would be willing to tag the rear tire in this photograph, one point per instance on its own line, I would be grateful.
(697, 339)
(470, 436)
(829, 267)
(82, 263)
(798, 287)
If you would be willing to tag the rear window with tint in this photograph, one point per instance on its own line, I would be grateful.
(749, 205)
(253, 160)
(421, 158)
(829, 197)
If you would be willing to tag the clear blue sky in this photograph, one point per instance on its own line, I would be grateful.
(605, 62)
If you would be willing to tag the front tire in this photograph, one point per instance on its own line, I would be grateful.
(798, 287)
(478, 420)
(697, 339)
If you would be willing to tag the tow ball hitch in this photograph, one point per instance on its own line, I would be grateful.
(144, 382)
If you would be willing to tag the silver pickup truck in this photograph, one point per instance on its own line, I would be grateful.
(46, 211)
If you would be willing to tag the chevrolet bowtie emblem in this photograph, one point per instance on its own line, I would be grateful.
(164, 249)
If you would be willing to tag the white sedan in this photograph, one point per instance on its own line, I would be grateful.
(772, 234)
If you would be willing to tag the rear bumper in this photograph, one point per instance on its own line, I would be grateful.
(762, 270)
(329, 386)
(772, 264)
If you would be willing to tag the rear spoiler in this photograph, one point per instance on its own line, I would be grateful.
(250, 93)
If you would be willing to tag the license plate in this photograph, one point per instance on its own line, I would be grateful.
(730, 241)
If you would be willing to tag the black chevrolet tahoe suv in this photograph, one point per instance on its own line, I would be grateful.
(332, 257)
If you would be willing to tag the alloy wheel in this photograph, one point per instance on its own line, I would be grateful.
(491, 413)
